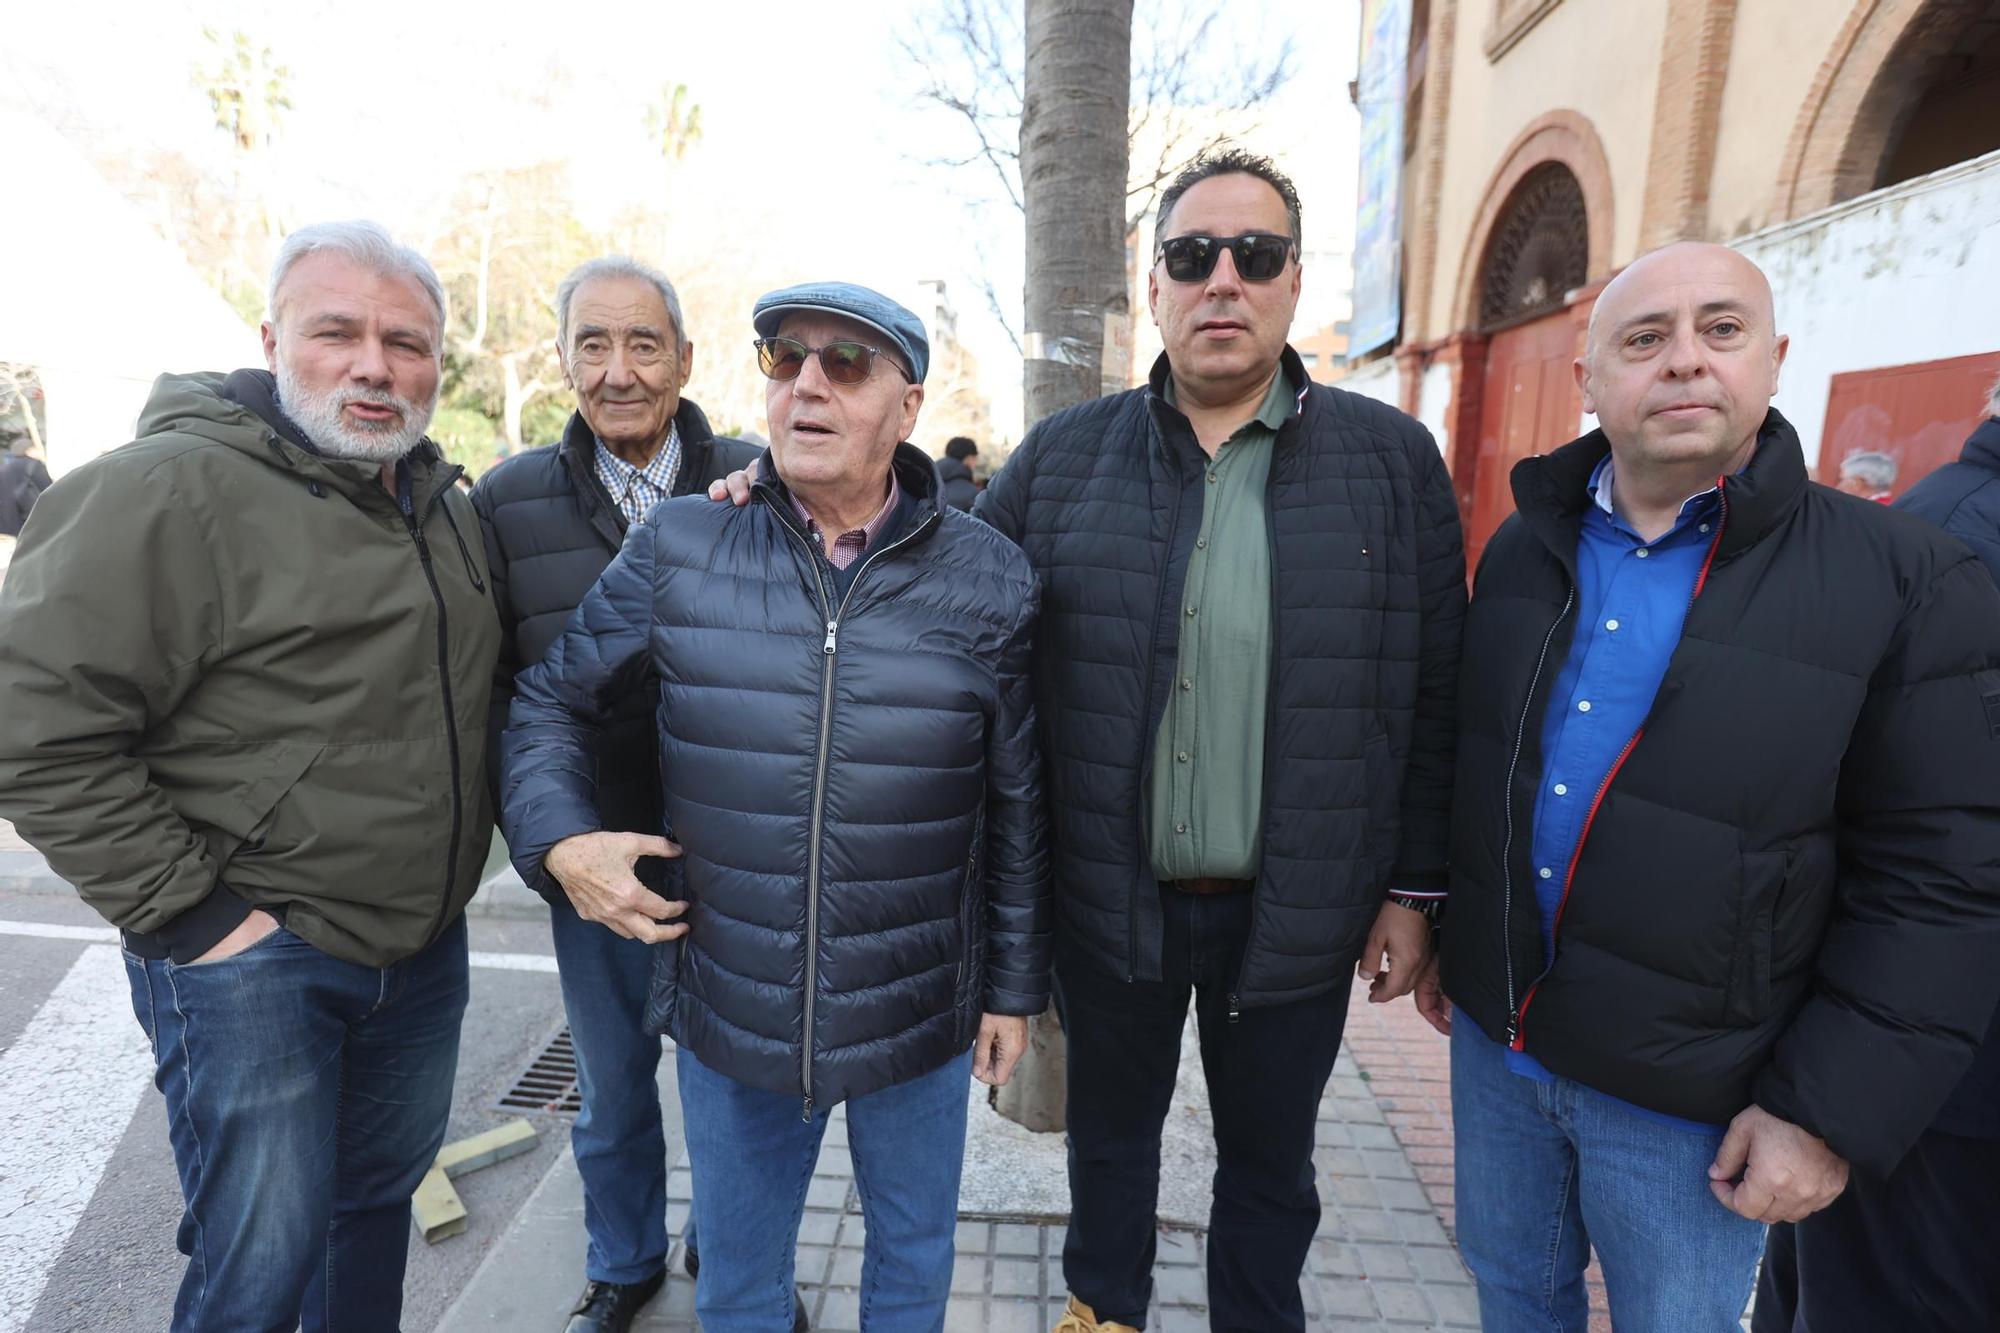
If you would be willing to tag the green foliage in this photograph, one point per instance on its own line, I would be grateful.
(467, 436)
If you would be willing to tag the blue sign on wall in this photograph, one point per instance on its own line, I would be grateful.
(1378, 229)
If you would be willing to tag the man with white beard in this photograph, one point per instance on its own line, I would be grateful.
(246, 661)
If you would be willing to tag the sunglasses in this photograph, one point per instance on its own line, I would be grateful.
(1260, 255)
(841, 362)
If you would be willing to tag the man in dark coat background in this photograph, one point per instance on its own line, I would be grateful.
(955, 471)
(1914, 1250)
(1723, 912)
(553, 518)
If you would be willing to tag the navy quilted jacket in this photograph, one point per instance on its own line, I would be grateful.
(856, 788)
(551, 527)
(1368, 581)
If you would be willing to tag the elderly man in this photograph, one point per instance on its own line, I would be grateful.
(1723, 913)
(857, 890)
(1246, 674)
(1914, 1249)
(1870, 475)
(246, 662)
(553, 518)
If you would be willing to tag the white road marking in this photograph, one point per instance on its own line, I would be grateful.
(505, 962)
(75, 1076)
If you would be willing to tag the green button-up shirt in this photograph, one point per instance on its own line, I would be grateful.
(1206, 795)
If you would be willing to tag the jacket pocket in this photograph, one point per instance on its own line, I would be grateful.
(1747, 1001)
(232, 795)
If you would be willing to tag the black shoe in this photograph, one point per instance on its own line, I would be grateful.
(610, 1307)
(691, 1261)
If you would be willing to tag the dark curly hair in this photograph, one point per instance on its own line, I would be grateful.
(1227, 162)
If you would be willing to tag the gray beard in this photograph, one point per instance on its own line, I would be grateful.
(320, 417)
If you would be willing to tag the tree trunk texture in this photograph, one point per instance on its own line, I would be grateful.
(1074, 161)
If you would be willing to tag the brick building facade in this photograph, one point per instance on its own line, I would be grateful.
(1850, 146)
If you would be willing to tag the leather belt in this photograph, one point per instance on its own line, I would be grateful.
(1210, 885)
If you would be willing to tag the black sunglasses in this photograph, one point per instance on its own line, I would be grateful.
(842, 362)
(1260, 255)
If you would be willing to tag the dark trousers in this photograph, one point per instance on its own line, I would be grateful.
(1266, 1070)
(1913, 1252)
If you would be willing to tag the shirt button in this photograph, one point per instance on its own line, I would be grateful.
(1211, 479)
(1180, 828)
(1548, 873)
(1611, 625)
(1183, 756)
(1704, 527)
(1642, 553)
(1187, 682)
(1583, 707)
(1201, 543)
(1190, 610)
(1562, 789)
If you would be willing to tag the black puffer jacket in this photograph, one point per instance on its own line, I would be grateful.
(1786, 891)
(856, 790)
(959, 488)
(1368, 577)
(1963, 498)
(551, 527)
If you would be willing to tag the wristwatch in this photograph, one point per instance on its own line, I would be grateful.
(1432, 909)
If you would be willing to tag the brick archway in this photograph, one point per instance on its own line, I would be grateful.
(1877, 71)
(1565, 137)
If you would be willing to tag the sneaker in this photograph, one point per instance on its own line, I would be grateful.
(1080, 1318)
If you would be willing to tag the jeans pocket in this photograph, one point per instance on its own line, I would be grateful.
(260, 944)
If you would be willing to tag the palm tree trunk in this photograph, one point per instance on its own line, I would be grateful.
(1074, 158)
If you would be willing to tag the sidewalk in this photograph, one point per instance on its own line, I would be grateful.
(1383, 1259)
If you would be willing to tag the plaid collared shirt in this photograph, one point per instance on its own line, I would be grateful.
(849, 545)
(637, 489)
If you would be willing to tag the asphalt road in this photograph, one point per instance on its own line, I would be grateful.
(88, 1196)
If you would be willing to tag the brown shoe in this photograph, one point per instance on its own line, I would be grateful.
(1080, 1318)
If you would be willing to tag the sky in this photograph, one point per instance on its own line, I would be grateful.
(816, 159)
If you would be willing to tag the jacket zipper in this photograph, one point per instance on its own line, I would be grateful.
(830, 652)
(1235, 996)
(411, 521)
(1507, 795)
(1146, 737)
(1517, 1037)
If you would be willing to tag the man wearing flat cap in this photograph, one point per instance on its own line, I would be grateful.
(856, 903)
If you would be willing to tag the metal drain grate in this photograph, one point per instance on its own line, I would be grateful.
(548, 1084)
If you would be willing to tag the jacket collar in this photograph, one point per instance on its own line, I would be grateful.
(1551, 491)
(1289, 365)
(578, 447)
(1983, 448)
(256, 391)
(916, 474)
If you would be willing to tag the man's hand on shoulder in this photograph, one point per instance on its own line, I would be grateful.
(1770, 1170)
(595, 870)
(735, 487)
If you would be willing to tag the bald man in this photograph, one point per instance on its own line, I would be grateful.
(1722, 907)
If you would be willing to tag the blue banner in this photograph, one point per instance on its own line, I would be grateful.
(1378, 229)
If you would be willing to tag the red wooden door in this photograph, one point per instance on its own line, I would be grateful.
(1529, 405)
(1917, 414)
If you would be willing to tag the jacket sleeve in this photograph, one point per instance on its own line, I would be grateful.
(1425, 824)
(1004, 502)
(1019, 905)
(548, 775)
(110, 616)
(509, 663)
(1905, 981)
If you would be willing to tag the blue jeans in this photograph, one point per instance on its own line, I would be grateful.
(752, 1157)
(1545, 1171)
(621, 1150)
(306, 1097)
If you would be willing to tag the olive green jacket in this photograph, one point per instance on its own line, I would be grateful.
(233, 673)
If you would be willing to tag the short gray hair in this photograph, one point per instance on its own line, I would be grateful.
(615, 266)
(1877, 469)
(368, 244)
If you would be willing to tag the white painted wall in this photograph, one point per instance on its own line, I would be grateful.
(1377, 380)
(1434, 404)
(1906, 274)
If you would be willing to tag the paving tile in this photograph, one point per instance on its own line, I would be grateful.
(968, 1275)
(974, 1237)
(1456, 1305)
(827, 1193)
(839, 1312)
(1178, 1285)
(1005, 1316)
(1402, 1301)
(1017, 1277)
(1017, 1238)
